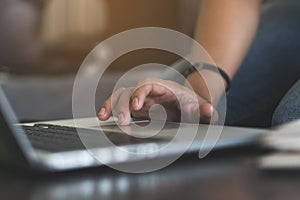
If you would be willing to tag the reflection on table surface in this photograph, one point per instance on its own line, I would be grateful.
(187, 178)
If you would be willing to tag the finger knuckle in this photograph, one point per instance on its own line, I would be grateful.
(121, 89)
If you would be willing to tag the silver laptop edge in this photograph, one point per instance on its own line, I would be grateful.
(16, 149)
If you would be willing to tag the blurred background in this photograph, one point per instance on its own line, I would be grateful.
(44, 42)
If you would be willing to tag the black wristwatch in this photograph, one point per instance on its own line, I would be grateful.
(200, 66)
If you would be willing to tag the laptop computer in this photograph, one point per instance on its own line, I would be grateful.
(58, 146)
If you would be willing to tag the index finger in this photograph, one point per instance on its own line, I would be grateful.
(139, 95)
(106, 108)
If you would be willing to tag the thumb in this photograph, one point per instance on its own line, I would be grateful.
(208, 114)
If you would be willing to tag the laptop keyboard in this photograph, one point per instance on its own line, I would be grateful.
(57, 138)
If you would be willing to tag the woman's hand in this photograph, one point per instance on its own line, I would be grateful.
(136, 102)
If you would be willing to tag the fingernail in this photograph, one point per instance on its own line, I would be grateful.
(121, 118)
(102, 111)
(211, 109)
(135, 102)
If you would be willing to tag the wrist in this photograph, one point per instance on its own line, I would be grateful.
(199, 85)
(208, 84)
(200, 67)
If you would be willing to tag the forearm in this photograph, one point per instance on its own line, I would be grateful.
(226, 30)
